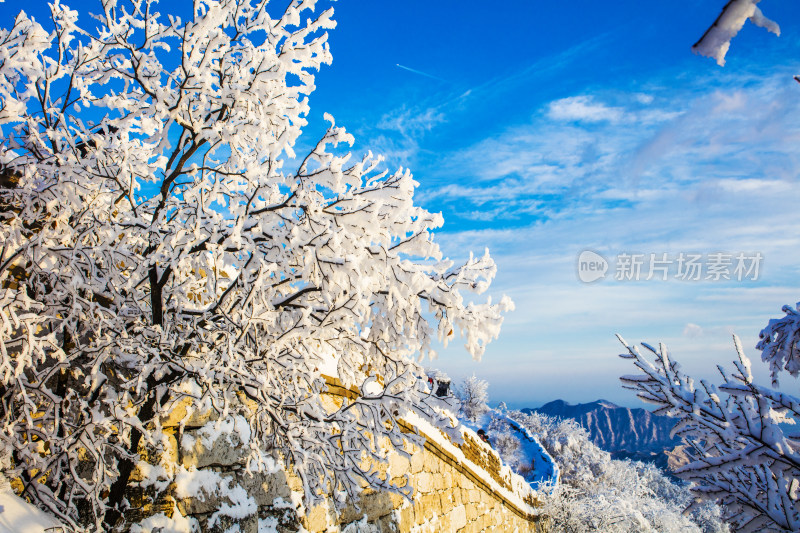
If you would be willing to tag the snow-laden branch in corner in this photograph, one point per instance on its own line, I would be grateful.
(717, 39)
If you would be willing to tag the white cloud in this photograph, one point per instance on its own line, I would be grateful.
(692, 331)
(583, 109)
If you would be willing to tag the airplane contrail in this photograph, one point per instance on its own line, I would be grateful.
(415, 71)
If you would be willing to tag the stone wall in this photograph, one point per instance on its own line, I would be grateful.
(458, 487)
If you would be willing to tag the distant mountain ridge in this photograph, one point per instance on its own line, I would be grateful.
(620, 430)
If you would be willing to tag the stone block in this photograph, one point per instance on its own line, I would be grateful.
(349, 513)
(317, 518)
(377, 504)
(222, 524)
(387, 524)
(458, 518)
(266, 487)
(443, 523)
(178, 415)
(423, 482)
(263, 488)
(283, 519)
(430, 462)
(472, 512)
(432, 505)
(398, 464)
(447, 478)
(202, 452)
(405, 517)
(294, 482)
(457, 495)
(417, 461)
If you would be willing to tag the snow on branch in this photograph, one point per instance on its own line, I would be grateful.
(779, 343)
(717, 39)
(739, 451)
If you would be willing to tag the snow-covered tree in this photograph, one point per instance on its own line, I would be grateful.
(161, 242)
(473, 395)
(740, 453)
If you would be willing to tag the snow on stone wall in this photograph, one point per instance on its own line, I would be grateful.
(459, 487)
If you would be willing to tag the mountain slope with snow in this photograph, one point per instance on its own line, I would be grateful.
(617, 429)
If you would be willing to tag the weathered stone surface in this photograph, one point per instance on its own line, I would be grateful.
(284, 519)
(317, 519)
(375, 505)
(399, 465)
(405, 517)
(447, 478)
(221, 453)
(387, 524)
(444, 523)
(178, 415)
(471, 512)
(263, 488)
(225, 523)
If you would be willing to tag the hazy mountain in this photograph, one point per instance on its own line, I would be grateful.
(632, 433)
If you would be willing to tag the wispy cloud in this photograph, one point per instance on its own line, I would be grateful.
(588, 151)
(680, 171)
(583, 109)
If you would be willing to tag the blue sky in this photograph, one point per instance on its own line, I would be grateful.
(540, 130)
(544, 129)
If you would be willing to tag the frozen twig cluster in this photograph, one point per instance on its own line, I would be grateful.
(740, 454)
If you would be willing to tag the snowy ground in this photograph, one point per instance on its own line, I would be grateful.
(17, 515)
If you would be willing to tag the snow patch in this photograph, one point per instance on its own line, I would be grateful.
(164, 524)
(18, 515)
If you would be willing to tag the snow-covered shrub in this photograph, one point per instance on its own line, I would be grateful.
(163, 246)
